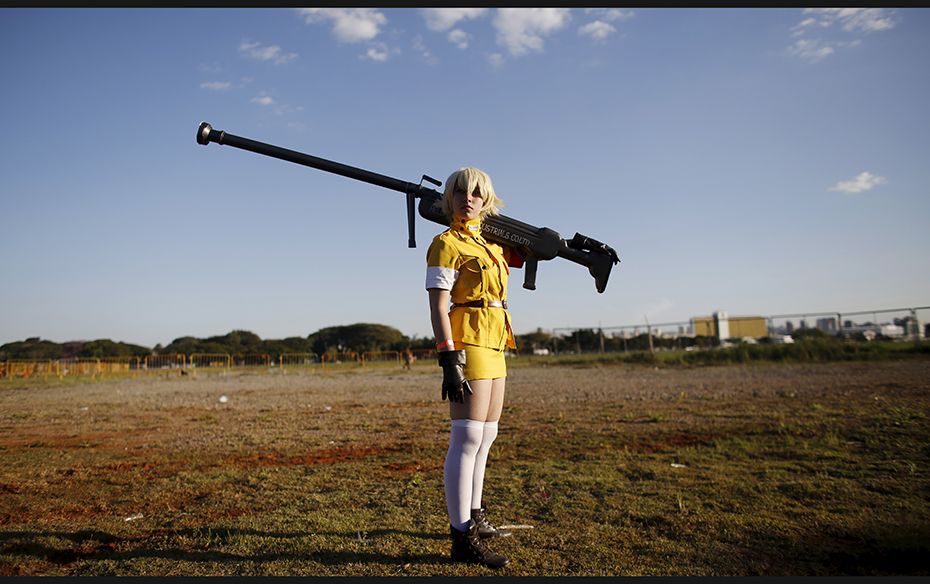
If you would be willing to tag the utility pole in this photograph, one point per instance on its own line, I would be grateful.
(916, 327)
(649, 332)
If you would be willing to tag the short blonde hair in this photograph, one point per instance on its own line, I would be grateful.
(468, 178)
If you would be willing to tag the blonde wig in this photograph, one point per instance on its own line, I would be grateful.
(468, 178)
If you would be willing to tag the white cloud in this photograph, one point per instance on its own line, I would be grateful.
(600, 28)
(271, 53)
(852, 19)
(376, 54)
(379, 52)
(609, 14)
(597, 30)
(802, 27)
(442, 19)
(864, 181)
(263, 100)
(350, 25)
(424, 51)
(521, 30)
(272, 105)
(216, 85)
(870, 20)
(810, 50)
(814, 50)
(496, 60)
(459, 38)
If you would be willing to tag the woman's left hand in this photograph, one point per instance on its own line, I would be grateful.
(454, 383)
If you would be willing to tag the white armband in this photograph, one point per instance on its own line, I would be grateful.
(439, 277)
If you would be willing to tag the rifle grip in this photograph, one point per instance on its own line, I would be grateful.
(411, 233)
(529, 276)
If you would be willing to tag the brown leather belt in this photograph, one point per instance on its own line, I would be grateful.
(482, 304)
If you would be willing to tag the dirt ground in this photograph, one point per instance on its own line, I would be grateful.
(139, 476)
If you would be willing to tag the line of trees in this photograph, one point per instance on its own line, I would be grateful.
(593, 341)
(360, 337)
(36, 348)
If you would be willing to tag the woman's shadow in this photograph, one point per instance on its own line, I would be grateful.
(91, 544)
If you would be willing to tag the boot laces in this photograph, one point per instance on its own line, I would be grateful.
(480, 548)
(482, 521)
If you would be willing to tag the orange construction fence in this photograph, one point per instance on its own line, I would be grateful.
(336, 358)
(169, 361)
(252, 360)
(179, 362)
(380, 357)
(210, 360)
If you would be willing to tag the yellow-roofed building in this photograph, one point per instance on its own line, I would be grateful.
(730, 326)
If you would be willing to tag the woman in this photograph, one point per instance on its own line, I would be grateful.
(471, 337)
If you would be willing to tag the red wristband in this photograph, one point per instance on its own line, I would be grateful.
(446, 345)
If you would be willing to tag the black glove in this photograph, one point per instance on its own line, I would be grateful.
(454, 383)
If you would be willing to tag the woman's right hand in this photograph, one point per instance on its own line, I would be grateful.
(454, 383)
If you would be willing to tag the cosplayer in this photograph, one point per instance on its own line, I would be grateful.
(464, 268)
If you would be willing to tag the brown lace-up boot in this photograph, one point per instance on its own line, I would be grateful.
(468, 547)
(485, 529)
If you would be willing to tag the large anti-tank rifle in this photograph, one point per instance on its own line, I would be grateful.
(533, 243)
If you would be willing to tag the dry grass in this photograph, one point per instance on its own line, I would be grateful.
(818, 469)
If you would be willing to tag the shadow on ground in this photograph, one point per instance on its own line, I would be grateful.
(100, 545)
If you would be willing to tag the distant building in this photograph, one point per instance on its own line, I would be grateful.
(871, 330)
(748, 326)
(912, 328)
(827, 325)
(729, 327)
(893, 331)
(703, 326)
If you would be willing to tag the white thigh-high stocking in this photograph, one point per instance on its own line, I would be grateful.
(464, 442)
(481, 459)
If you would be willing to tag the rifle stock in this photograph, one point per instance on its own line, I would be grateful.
(534, 243)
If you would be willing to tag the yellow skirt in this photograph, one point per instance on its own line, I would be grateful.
(483, 363)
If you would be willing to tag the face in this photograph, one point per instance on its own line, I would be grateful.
(467, 206)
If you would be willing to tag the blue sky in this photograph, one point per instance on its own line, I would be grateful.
(757, 161)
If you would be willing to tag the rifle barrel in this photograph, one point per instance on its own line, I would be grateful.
(206, 134)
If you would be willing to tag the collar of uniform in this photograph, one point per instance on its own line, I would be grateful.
(467, 227)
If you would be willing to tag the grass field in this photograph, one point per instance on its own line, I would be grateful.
(621, 469)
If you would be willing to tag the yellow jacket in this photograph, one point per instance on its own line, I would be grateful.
(460, 259)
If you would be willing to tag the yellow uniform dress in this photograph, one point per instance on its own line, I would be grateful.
(461, 260)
